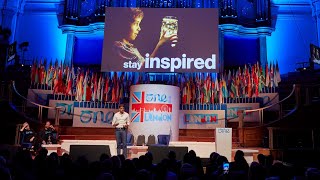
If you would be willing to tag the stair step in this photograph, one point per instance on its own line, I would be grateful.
(196, 139)
(87, 137)
(203, 139)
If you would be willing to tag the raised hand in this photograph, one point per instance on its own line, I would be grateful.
(167, 38)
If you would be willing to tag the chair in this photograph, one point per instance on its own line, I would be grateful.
(23, 144)
(141, 140)
(130, 139)
(163, 139)
(151, 140)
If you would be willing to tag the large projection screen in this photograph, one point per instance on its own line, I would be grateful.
(160, 40)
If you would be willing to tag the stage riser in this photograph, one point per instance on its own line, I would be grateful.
(110, 131)
(196, 135)
(252, 137)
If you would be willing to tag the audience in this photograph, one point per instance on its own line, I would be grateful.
(22, 166)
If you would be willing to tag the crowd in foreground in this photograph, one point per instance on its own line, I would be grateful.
(23, 166)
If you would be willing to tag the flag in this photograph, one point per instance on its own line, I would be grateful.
(107, 87)
(79, 87)
(33, 71)
(271, 75)
(69, 84)
(267, 75)
(115, 88)
(99, 85)
(84, 86)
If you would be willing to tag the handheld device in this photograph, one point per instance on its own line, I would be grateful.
(225, 167)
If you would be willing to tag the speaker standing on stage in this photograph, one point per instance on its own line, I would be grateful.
(121, 121)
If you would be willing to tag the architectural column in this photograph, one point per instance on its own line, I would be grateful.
(316, 14)
(263, 49)
(69, 50)
(10, 11)
(221, 51)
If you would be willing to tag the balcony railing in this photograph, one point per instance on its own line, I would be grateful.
(240, 12)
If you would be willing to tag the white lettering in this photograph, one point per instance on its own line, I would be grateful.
(147, 61)
(155, 60)
(165, 63)
(184, 61)
(132, 65)
(190, 60)
(173, 63)
(175, 66)
(213, 62)
(125, 65)
(198, 63)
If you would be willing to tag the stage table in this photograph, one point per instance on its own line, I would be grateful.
(52, 148)
(136, 151)
(202, 149)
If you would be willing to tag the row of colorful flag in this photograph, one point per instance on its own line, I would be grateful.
(196, 88)
(248, 81)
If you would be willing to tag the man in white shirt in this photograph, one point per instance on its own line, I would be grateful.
(121, 121)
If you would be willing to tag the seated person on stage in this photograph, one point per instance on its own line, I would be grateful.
(29, 136)
(48, 134)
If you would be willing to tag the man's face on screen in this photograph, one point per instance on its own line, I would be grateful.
(134, 29)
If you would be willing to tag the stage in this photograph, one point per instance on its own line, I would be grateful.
(202, 149)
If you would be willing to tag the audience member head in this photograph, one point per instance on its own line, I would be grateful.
(103, 157)
(107, 165)
(239, 155)
(221, 160)
(187, 171)
(129, 167)
(214, 156)
(256, 171)
(143, 174)
(192, 153)
(312, 174)
(143, 162)
(269, 161)
(116, 162)
(43, 152)
(187, 158)
(172, 155)
(149, 155)
(262, 159)
(66, 160)
(26, 125)
(122, 158)
(277, 170)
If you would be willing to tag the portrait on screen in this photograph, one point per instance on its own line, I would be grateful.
(160, 40)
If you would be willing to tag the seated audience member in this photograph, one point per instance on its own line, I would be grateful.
(29, 136)
(48, 134)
